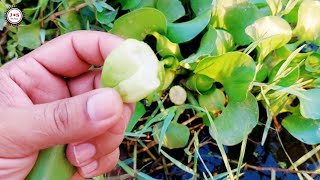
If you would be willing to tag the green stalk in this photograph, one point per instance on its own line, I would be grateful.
(52, 164)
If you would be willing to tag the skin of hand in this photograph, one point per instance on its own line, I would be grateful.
(50, 97)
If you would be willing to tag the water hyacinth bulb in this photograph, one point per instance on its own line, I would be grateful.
(200, 83)
(131, 69)
(308, 25)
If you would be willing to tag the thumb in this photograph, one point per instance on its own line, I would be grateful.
(65, 121)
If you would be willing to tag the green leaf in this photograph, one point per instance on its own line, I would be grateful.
(178, 163)
(139, 23)
(291, 11)
(126, 168)
(3, 9)
(139, 111)
(69, 22)
(219, 10)
(172, 9)
(213, 101)
(2, 20)
(159, 117)
(14, 2)
(308, 26)
(132, 172)
(166, 75)
(131, 4)
(310, 107)
(306, 130)
(237, 120)
(223, 43)
(313, 63)
(176, 135)
(165, 47)
(259, 3)
(28, 12)
(164, 126)
(236, 27)
(287, 80)
(52, 164)
(142, 175)
(206, 45)
(185, 31)
(275, 6)
(29, 36)
(43, 4)
(276, 31)
(199, 83)
(105, 16)
(199, 7)
(146, 3)
(235, 70)
(205, 119)
(100, 6)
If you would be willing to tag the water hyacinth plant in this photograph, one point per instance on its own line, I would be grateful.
(241, 75)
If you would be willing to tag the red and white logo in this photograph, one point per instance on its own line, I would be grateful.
(14, 16)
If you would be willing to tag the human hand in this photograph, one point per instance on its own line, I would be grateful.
(49, 97)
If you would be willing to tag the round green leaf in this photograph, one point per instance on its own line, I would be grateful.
(146, 3)
(219, 11)
(176, 136)
(234, 70)
(223, 43)
(237, 120)
(168, 77)
(183, 32)
(199, 7)
(313, 63)
(273, 32)
(29, 35)
(139, 23)
(172, 9)
(305, 130)
(235, 26)
(213, 101)
(69, 22)
(131, 4)
(165, 47)
(308, 26)
(310, 104)
(199, 83)
(106, 16)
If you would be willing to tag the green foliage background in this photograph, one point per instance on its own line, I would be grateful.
(227, 55)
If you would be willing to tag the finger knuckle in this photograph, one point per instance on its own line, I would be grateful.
(61, 117)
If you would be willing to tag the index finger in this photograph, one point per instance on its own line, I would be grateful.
(74, 53)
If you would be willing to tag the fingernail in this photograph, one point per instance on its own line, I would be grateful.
(102, 106)
(87, 169)
(84, 152)
(121, 126)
